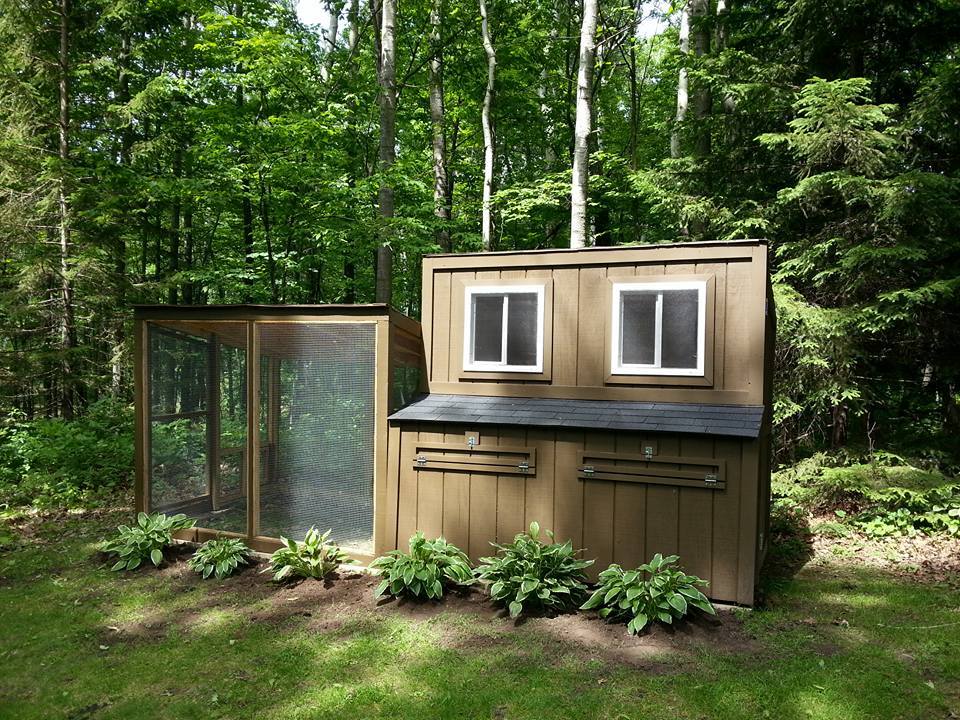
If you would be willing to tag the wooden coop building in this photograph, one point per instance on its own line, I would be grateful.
(620, 396)
(260, 422)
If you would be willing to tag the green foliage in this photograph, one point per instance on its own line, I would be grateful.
(58, 463)
(530, 576)
(145, 540)
(426, 571)
(314, 557)
(219, 557)
(884, 497)
(655, 591)
(837, 126)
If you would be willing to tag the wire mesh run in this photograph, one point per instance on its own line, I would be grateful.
(198, 419)
(317, 415)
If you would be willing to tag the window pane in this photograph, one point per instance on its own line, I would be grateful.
(638, 318)
(522, 329)
(487, 328)
(679, 343)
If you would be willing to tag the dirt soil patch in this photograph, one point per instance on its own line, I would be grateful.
(923, 558)
(347, 597)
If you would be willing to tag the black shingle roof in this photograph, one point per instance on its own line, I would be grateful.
(693, 418)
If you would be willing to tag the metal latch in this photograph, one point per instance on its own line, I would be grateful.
(587, 470)
(421, 460)
(471, 441)
(710, 478)
(523, 466)
(648, 452)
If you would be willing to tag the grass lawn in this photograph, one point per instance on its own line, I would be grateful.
(841, 639)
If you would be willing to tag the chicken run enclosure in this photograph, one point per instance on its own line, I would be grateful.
(262, 422)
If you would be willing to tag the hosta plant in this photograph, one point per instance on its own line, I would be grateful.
(654, 591)
(527, 575)
(426, 571)
(144, 540)
(314, 557)
(219, 557)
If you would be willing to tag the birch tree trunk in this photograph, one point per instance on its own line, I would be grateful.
(68, 337)
(387, 155)
(334, 7)
(702, 97)
(683, 99)
(441, 181)
(353, 18)
(488, 136)
(581, 147)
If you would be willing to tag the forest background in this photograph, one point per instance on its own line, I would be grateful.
(187, 151)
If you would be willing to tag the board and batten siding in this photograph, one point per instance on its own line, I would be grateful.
(718, 532)
(624, 522)
(576, 342)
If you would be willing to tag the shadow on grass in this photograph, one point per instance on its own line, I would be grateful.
(790, 548)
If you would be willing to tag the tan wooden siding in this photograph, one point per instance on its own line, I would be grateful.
(581, 297)
(713, 531)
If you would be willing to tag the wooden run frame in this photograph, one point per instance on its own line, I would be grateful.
(392, 328)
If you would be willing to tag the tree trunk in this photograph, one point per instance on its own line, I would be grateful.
(120, 249)
(353, 18)
(486, 221)
(581, 149)
(683, 99)
(174, 251)
(387, 155)
(335, 7)
(702, 97)
(441, 208)
(68, 337)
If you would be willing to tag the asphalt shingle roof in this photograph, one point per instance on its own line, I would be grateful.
(691, 418)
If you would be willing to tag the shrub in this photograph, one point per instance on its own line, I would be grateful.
(424, 572)
(654, 591)
(315, 557)
(145, 540)
(52, 463)
(527, 575)
(219, 557)
(898, 511)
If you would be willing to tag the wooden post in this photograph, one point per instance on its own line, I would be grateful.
(213, 420)
(253, 430)
(141, 366)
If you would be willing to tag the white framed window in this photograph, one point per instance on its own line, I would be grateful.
(503, 328)
(658, 328)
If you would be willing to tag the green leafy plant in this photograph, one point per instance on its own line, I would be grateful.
(425, 571)
(527, 575)
(219, 557)
(654, 591)
(314, 557)
(144, 540)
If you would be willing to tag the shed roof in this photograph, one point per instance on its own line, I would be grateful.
(689, 418)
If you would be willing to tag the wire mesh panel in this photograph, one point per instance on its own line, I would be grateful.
(317, 430)
(197, 394)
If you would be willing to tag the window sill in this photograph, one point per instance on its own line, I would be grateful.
(517, 375)
(705, 380)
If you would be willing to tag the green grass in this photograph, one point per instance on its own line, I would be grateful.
(835, 643)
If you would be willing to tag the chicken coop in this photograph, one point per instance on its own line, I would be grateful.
(618, 396)
(260, 422)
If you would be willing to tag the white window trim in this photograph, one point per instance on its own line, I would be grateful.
(619, 368)
(505, 290)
